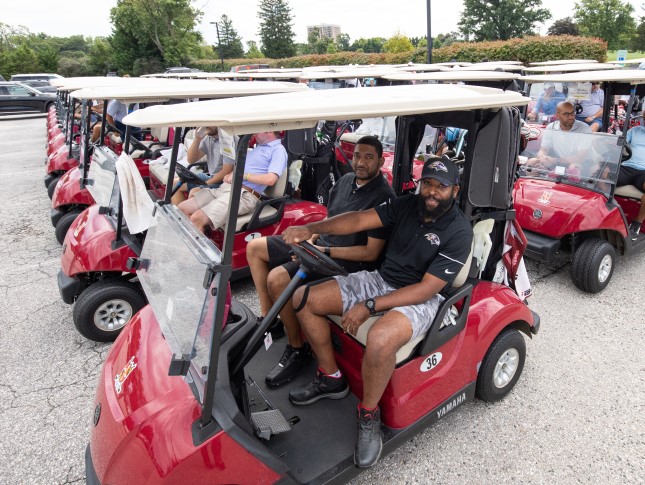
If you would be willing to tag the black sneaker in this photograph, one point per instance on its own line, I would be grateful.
(323, 387)
(370, 438)
(291, 362)
(635, 229)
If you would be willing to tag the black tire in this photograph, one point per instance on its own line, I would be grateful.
(65, 223)
(502, 366)
(122, 297)
(52, 186)
(593, 265)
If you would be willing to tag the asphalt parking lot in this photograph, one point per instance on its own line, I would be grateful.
(577, 415)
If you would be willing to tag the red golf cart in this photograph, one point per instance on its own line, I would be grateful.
(181, 397)
(566, 198)
(94, 272)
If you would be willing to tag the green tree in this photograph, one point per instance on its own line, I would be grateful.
(276, 32)
(610, 20)
(501, 19)
(397, 43)
(162, 29)
(372, 45)
(101, 57)
(444, 40)
(22, 59)
(253, 51)
(48, 58)
(564, 26)
(638, 42)
(342, 41)
(230, 41)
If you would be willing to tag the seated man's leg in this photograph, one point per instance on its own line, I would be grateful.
(321, 299)
(596, 125)
(257, 255)
(180, 195)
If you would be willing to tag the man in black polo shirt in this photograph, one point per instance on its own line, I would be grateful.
(429, 245)
(364, 189)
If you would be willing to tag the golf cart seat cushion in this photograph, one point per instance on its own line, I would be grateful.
(276, 190)
(405, 351)
(160, 171)
(114, 138)
(629, 191)
(351, 137)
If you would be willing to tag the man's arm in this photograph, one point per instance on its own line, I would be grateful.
(367, 253)
(194, 152)
(348, 223)
(219, 176)
(420, 292)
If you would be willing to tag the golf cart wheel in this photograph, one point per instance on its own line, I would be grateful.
(52, 186)
(502, 366)
(593, 265)
(104, 308)
(65, 223)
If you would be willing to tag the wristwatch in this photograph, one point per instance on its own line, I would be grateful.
(370, 304)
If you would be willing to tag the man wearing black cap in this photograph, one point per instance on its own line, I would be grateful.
(429, 245)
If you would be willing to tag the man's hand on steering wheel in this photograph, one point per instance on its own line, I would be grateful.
(296, 234)
(354, 318)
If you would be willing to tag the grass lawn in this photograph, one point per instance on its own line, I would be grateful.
(611, 55)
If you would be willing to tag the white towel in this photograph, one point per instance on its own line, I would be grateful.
(137, 204)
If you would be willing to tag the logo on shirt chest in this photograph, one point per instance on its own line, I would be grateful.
(433, 238)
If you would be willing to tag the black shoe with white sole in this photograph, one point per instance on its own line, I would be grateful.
(293, 359)
(323, 387)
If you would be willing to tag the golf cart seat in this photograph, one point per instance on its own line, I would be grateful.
(270, 208)
(351, 137)
(458, 292)
(160, 140)
(629, 191)
(114, 138)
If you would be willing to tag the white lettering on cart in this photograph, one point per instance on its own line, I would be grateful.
(451, 405)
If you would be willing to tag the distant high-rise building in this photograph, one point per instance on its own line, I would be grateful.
(328, 31)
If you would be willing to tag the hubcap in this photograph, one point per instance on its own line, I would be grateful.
(605, 268)
(505, 368)
(112, 315)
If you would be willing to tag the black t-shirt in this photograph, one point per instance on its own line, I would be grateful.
(415, 248)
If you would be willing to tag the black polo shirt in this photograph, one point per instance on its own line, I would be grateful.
(346, 196)
(415, 248)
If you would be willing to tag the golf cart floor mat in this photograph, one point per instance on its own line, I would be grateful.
(322, 436)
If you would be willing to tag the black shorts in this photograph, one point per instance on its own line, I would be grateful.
(631, 176)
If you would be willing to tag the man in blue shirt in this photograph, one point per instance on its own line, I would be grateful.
(632, 172)
(547, 101)
(592, 108)
(264, 166)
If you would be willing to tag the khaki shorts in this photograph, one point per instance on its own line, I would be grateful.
(214, 203)
(358, 287)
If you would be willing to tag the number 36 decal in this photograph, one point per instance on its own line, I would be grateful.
(431, 362)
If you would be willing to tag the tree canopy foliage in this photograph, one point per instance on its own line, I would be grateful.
(564, 26)
(231, 42)
(276, 32)
(501, 19)
(610, 20)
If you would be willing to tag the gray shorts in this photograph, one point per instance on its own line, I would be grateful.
(358, 287)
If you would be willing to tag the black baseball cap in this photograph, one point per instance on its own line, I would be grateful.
(441, 169)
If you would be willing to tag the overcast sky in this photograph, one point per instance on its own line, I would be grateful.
(372, 18)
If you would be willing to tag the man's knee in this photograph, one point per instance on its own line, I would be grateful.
(277, 281)
(257, 250)
(386, 337)
(200, 219)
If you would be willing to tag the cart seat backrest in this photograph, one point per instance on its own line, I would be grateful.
(160, 133)
(405, 351)
(276, 190)
(629, 191)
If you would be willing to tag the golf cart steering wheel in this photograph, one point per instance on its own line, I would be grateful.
(626, 153)
(316, 261)
(187, 176)
(578, 108)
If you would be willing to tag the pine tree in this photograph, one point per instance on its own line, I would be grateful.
(231, 42)
(276, 31)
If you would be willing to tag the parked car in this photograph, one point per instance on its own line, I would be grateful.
(18, 97)
(42, 86)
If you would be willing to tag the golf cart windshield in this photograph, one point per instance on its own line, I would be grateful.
(588, 160)
(176, 275)
(102, 181)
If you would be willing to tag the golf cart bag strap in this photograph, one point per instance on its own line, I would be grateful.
(305, 295)
(494, 160)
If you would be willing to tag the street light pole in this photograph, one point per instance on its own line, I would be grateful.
(429, 37)
(219, 44)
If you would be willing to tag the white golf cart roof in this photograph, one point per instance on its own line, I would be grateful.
(628, 61)
(154, 90)
(592, 66)
(277, 112)
(560, 62)
(454, 75)
(629, 76)
(421, 67)
(268, 75)
(73, 83)
(347, 73)
(490, 66)
(453, 64)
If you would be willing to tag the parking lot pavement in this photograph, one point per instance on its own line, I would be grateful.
(577, 415)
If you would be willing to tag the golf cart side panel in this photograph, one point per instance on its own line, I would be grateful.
(411, 392)
(60, 161)
(124, 443)
(88, 246)
(68, 191)
(564, 209)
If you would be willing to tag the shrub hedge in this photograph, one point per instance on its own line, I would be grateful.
(528, 49)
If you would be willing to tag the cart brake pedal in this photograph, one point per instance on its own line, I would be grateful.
(268, 423)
